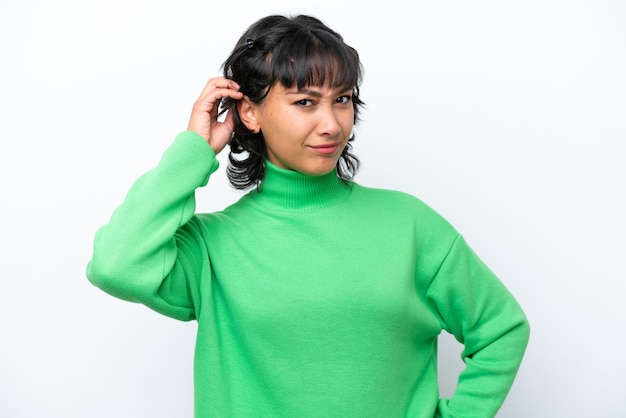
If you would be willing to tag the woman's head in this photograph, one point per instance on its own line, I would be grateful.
(278, 53)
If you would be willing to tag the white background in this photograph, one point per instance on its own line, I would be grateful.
(509, 118)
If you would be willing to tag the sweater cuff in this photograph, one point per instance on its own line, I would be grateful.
(196, 150)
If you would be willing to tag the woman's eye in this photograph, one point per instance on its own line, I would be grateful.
(304, 102)
(344, 99)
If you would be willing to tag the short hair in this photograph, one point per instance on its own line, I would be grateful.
(296, 51)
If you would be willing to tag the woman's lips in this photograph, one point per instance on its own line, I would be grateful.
(325, 148)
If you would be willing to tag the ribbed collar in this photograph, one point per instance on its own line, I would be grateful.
(291, 190)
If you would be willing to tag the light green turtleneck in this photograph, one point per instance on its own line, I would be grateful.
(313, 298)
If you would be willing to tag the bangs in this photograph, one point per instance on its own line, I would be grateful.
(314, 59)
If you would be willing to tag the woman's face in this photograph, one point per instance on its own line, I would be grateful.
(305, 130)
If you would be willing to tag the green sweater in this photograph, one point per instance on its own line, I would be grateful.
(313, 298)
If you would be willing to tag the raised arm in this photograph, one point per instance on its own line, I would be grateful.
(136, 256)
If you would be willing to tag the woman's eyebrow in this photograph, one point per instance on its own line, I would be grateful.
(313, 92)
(308, 91)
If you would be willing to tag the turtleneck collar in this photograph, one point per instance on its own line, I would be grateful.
(290, 190)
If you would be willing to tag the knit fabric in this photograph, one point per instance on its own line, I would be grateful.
(313, 298)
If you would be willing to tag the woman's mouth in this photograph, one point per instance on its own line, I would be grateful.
(325, 149)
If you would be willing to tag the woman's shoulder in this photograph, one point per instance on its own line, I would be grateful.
(400, 204)
(388, 196)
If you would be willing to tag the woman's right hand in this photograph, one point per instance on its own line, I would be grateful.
(203, 118)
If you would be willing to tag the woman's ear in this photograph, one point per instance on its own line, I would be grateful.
(248, 114)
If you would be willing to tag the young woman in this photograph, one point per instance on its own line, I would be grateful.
(314, 296)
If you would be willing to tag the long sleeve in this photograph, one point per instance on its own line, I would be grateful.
(137, 255)
(475, 306)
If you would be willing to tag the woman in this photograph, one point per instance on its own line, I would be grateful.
(314, 296)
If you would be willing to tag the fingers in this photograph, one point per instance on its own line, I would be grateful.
(203, 118)
(214, 91)
(212, 94)
(219, 83)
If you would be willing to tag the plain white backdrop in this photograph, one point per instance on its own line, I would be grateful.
(509, 118)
